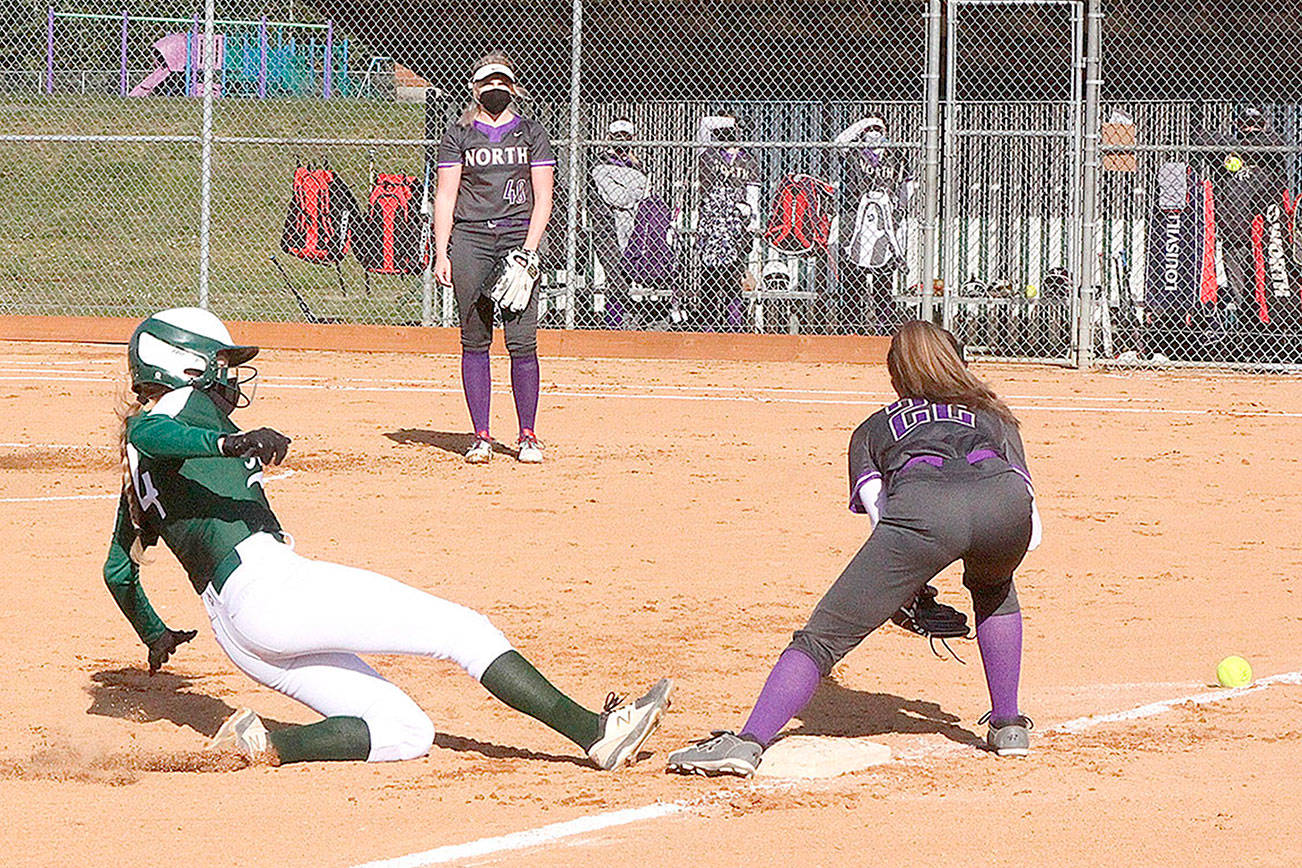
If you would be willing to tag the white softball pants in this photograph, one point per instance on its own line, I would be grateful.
(297, 626)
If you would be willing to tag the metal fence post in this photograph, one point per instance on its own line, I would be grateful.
(207, 55)
(1089, 237)
(572, 185)
(931, 179)
(122, 64)
(49, 50)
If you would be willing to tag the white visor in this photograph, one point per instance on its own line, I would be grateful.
(621, 126)
(491, 69)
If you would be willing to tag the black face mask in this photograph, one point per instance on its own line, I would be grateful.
(495, 101)
(725, 134)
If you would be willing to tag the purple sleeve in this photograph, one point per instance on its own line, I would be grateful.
(449, 153)
(540, 152)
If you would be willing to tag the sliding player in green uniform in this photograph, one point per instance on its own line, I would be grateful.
(194, 480)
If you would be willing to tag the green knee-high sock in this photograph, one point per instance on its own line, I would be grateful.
(335, 738)
(515, 681)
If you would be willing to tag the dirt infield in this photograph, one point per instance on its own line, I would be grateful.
(688, 517)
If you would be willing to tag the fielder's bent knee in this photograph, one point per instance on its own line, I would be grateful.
(997, 600)
(475, 341)
(399, 731)
(522, 346)
(817, 649)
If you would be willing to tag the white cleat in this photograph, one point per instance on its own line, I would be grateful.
(528, 449)
(243, 732)
(624, 728)
(480, 451)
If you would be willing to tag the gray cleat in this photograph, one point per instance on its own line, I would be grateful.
(723, 753)
(1009, 737)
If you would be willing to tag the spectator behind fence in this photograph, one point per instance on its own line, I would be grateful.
(728, 221)
(1249, 187)
(619, 185)
(877, 185)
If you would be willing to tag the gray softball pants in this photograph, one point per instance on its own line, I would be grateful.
(475, 250)
(933, 516)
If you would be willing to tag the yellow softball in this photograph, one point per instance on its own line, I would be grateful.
(1233, 672)
(1233, 163)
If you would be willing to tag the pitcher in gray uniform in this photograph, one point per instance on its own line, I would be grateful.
(496, 172)
(942, 474)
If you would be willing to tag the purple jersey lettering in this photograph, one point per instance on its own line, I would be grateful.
(908, 413)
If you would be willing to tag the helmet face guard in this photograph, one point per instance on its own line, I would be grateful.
(168, 355)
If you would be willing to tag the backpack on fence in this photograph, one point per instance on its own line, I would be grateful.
(649, 256)
(801, 217)
(390, 239)
(321, 218)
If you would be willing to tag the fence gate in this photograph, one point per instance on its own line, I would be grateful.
(1011, 199)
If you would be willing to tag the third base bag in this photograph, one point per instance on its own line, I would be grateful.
(388, 241)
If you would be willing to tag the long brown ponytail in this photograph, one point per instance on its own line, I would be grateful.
(129, 405)
(924, 362)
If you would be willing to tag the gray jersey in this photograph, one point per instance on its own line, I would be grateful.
(495, 168)
(914, 430)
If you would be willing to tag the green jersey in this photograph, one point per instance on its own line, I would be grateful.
(199, 502)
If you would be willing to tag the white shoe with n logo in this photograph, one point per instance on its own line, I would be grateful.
(624, 728)
(242, 732)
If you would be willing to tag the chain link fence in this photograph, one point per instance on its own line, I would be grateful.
(1069, 180)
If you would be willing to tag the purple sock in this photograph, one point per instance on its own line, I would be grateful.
(788, 689)
(1000, 640)
(477, 380)
(524, 386)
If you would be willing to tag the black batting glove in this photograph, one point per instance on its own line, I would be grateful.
(265, 444)
(162, 647)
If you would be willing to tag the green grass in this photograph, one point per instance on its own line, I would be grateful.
(112, 229)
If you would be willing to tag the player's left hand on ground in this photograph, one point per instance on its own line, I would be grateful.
(519, 275)
(927, 617)
(162, 647)
(265, 444)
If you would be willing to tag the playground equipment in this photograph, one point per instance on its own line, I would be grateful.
(255, 58)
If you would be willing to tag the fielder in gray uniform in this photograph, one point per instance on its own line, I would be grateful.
(495, 177)
(942, 474)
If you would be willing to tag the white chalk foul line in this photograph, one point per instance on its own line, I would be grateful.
(532, 837)
(114, 496)
(553, 832)
(1152, 709)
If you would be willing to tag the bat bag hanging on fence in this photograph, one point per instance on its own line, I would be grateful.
(390, 237)
(321, 217)
(801, 217)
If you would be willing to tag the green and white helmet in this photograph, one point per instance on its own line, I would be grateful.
(188, 346)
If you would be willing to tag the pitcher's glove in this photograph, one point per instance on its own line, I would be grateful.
(162, 647)
(266, 445)
(927, 617)
(514, 279)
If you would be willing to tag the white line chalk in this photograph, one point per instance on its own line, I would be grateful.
(554, 832)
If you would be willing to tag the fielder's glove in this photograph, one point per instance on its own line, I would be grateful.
(514, 280)
(926, 617)
(264, 444)
(162, 647)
